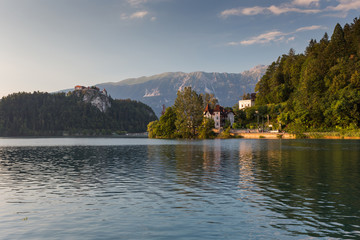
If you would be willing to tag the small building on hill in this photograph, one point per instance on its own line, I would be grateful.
(104, 92)
(78, 87)
(248, 102)
(219, 115)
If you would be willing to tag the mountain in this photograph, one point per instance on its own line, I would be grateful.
(161, 89)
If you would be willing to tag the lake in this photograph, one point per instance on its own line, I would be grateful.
(113, 188)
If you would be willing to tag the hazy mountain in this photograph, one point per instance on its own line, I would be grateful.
(161, 89)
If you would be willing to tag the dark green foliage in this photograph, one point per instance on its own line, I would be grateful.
(209, 99)
(44, 114)
(205, 129)
(165, 127)
(184, 119)
(189, 112)
(319, 89)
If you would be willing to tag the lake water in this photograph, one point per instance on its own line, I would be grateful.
(79, 188)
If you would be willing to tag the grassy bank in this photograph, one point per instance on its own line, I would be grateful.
(307, 135)
(334, 135)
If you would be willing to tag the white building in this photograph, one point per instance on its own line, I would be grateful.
(246, 103)
(219, 115)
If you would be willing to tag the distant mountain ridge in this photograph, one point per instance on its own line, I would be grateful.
(162, 88)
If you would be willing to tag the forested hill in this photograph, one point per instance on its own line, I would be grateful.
(44, 114)
(319, 89)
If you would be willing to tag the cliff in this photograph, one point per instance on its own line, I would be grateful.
(94, 96)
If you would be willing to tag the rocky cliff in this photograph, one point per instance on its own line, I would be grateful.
(95, 97)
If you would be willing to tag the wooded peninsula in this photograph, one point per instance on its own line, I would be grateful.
(60, 114)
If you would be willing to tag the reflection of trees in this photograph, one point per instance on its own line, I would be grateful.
(314, 182)
(194, 163)
(308, 187)
(67, 170)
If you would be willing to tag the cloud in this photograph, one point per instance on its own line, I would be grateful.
(310, 28)
(306, 3)
(140, 14)
(136, 2)
(297, 6)
(290, 39)
(277, 10)
(345, 6)
(274, 36)
(242, 11)
(282, 9)
(135, 15)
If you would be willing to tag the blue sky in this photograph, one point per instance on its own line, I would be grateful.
(48, 45)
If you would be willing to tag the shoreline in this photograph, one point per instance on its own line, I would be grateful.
(264, 135)
(309, 135)
(240, 134)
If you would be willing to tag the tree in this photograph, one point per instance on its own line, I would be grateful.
(319, 89)
(246, 96)
(165, 127)
(189, 112)
(209, 99)
(44, 114)
(205, 129)
(337, 46)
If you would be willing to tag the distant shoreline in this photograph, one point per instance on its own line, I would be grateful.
(308, 135)
(234, 134)
(138, 135)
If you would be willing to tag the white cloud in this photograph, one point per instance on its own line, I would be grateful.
(136, 15)
(136, 2)
(345, 6)
(283, 9)
(274, 36)
(306, 3)
(277, 10)
(290, 39)
(243, 11)
(140, 14)
(310, 28)
(231, 12)
(297, 6)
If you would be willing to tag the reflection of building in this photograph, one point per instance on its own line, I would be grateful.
(212, 156)
(246, 165)
(245, 103)
(219, 115)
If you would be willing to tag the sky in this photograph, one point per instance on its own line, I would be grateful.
(49, 45)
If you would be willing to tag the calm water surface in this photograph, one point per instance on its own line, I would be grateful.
(80, 188)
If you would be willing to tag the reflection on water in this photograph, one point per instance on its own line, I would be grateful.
(153, 189)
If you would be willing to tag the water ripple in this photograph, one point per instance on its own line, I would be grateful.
(231, 189)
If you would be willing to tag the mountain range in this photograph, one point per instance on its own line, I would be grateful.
(159, 90)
